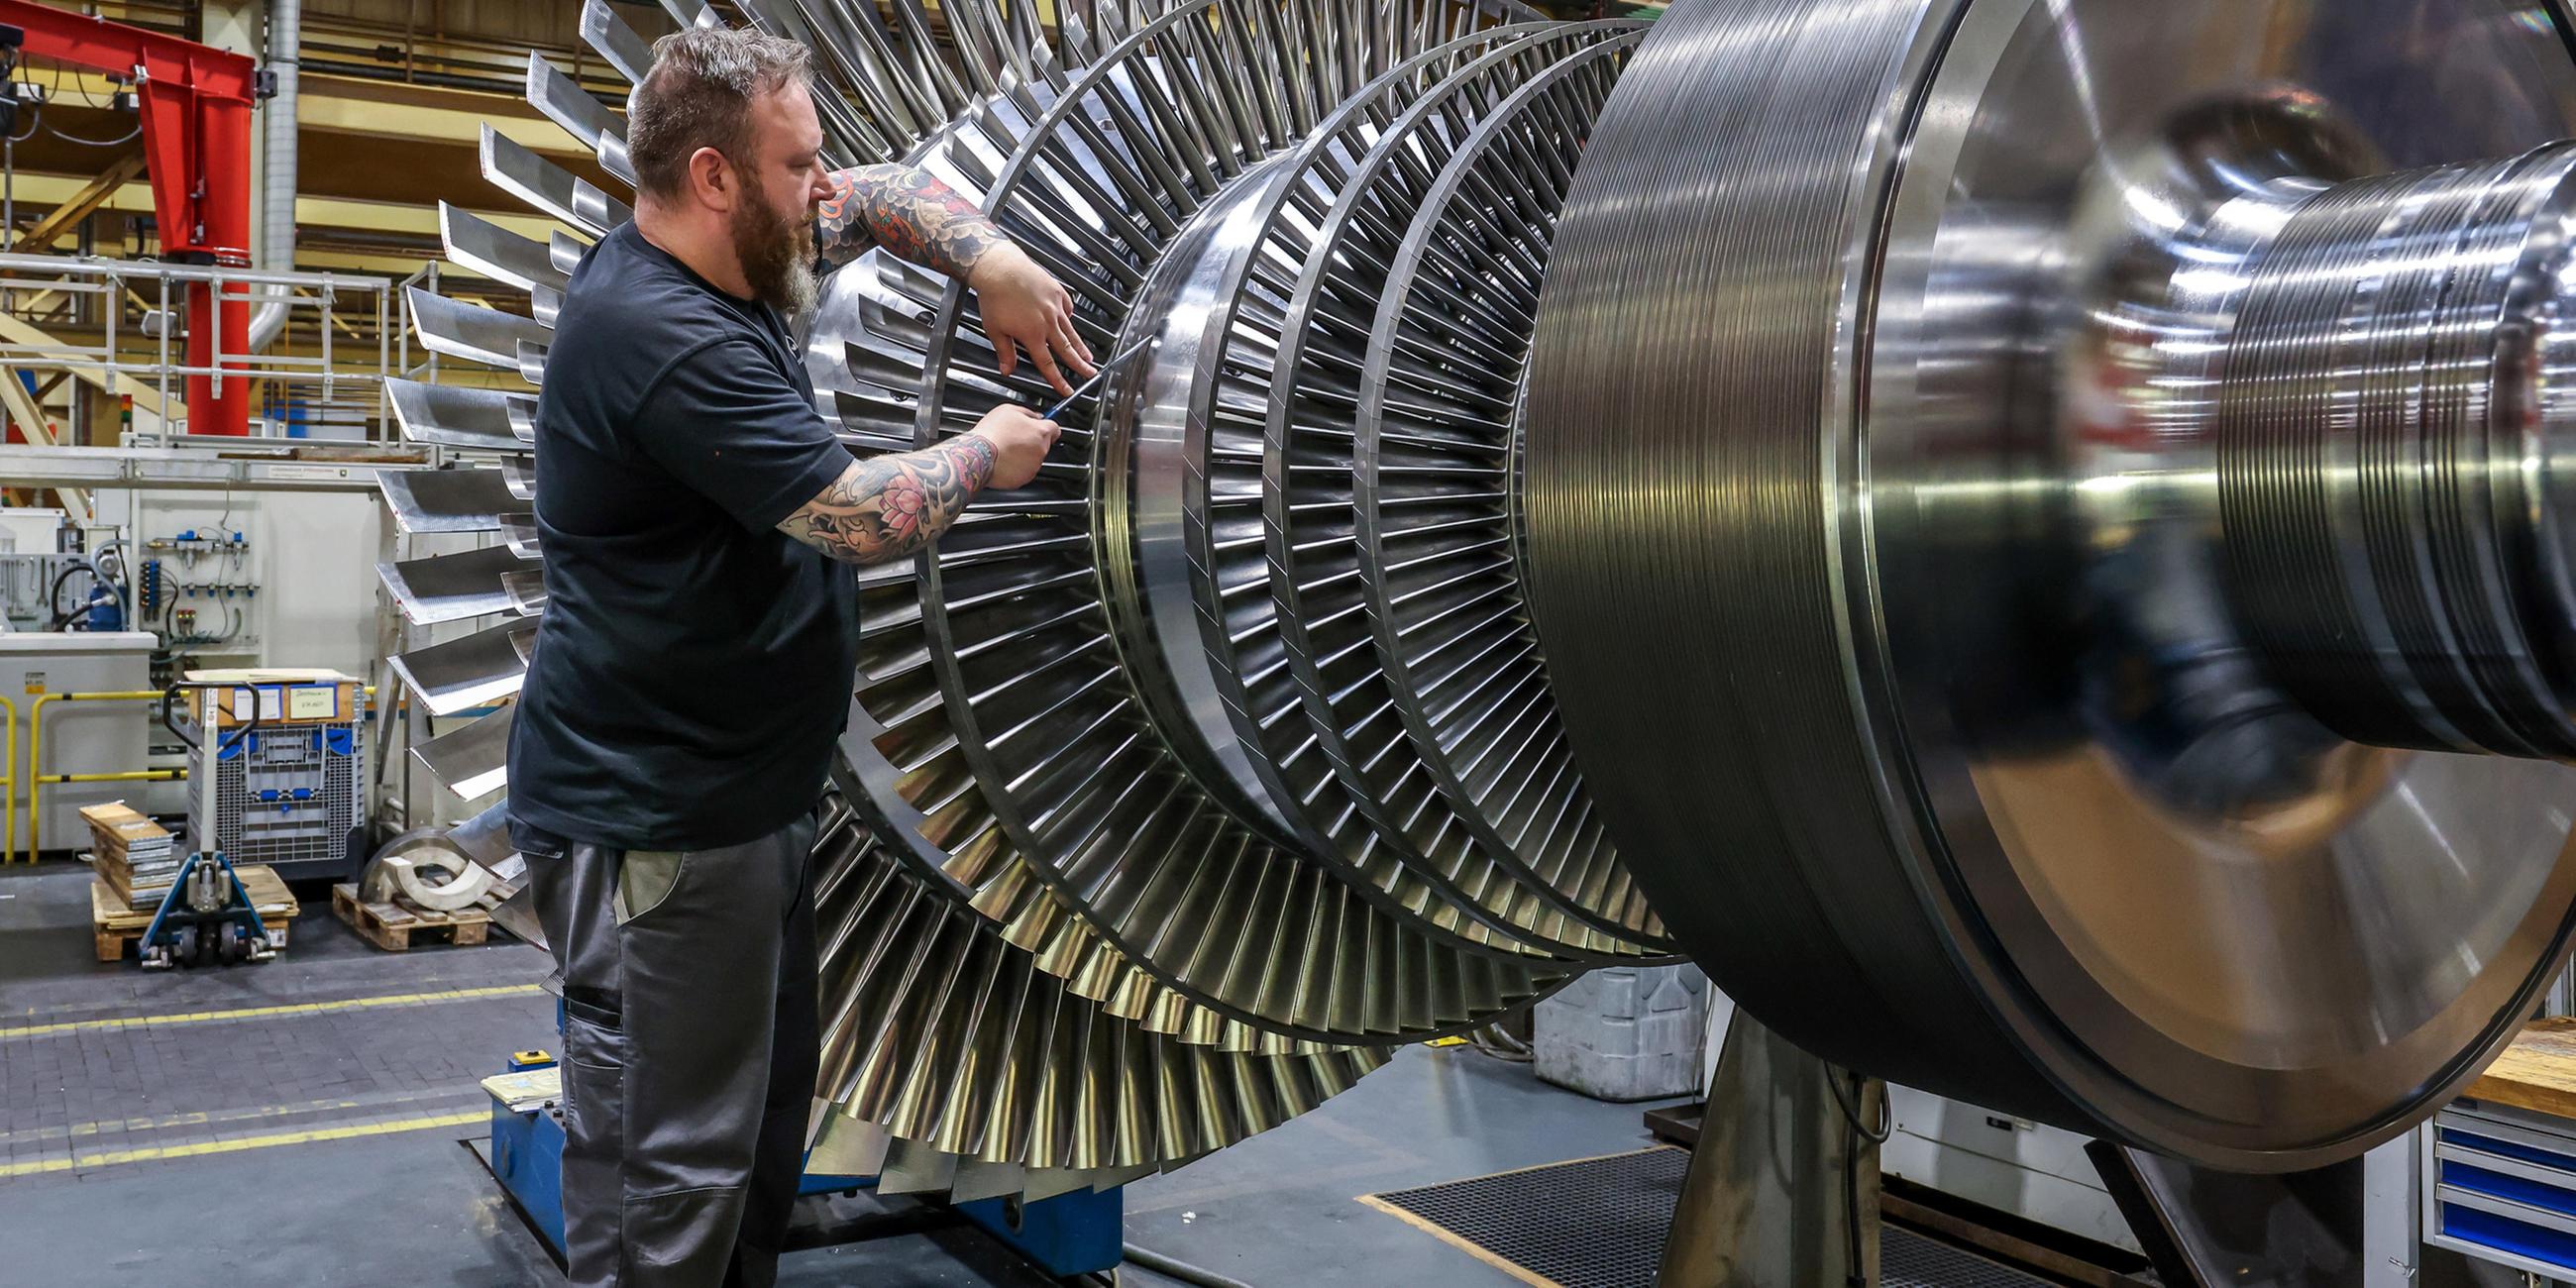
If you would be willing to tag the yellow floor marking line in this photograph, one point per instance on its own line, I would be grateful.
(113, 1157)
(268, 1012)
(214, 1117)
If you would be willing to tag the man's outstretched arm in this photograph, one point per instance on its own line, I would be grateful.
(917, 218)
(889, 507)
(907, 211)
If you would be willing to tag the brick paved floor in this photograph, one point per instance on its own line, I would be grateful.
(296, 1123)
(107, 1065)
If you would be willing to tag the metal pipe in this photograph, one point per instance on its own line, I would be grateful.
(1180, 1270)
(277, 191)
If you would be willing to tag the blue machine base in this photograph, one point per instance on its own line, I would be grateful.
(1070, 1234)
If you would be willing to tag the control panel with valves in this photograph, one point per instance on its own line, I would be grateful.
(195, 588)
(191, 545)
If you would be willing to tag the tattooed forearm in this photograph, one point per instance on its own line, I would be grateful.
(905, 210)
(889, 507)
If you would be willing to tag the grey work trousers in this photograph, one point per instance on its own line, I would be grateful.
(690, 1047)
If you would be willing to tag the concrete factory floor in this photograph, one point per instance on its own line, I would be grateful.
(299, 1123)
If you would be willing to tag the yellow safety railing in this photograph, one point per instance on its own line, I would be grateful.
(37, 777)
(9, 782)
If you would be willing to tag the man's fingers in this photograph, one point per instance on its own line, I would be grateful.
(1073, 334)
(1005, 357)
(1044, 360)
(1068, 346)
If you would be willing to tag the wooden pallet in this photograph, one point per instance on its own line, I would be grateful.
(115, 926)
(1678, 1124)
(391, 925)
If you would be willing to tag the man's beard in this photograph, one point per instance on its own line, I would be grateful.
(777, 255)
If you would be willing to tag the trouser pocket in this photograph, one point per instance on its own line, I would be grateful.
(595, 1136)
(645, 879)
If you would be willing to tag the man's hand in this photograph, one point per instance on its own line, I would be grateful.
(1020, 439)
(1025, 308)
(923, 221)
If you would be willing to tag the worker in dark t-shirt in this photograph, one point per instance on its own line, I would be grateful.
(694, 663)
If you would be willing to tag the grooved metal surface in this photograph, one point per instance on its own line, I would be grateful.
(1108, 811)
(1299, 474)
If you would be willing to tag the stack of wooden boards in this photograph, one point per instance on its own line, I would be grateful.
(135, 856)
(136, 861)
(132, 853)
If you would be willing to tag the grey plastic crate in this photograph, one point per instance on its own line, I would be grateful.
(291, 795)
(1624, 1033)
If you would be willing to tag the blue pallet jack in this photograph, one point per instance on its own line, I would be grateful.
(1067, 1235)
(205, 919)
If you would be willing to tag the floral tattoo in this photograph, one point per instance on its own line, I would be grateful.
(908, 212)
(888, 507)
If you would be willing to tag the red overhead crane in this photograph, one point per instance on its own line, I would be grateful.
(195, 102)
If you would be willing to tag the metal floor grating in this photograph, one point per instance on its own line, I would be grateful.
(1600, 1223)
(1908, 1260)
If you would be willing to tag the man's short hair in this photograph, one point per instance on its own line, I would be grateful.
(698, 94)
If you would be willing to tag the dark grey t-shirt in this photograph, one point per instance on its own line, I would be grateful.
(694, 663)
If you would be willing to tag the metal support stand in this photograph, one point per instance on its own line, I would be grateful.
(1783, 1186)
(2207, 1229)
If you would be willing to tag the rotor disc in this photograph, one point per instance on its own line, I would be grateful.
(1908, 461)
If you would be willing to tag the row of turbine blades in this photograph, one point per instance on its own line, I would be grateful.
(1435, 863)
(1008, 693)
(1069, 794)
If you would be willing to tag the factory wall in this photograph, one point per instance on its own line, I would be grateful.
(308, 562)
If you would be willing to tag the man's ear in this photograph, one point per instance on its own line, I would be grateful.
(711, 178)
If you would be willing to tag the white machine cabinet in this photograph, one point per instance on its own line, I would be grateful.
(80, 737)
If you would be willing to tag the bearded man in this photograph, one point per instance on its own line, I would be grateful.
(695, 661)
